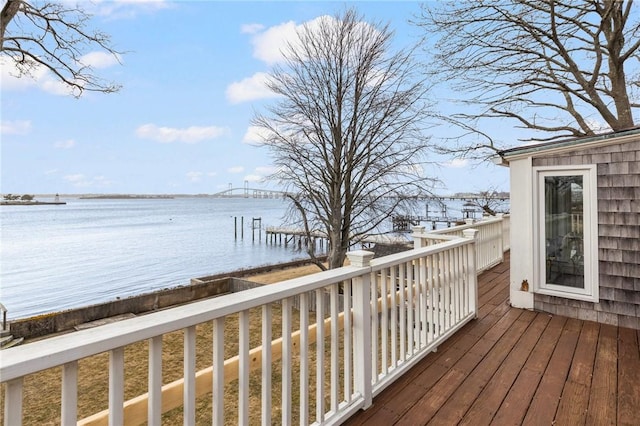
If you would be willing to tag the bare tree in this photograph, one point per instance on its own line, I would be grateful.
(346, 132)
(559, 68)
(53, 35)
(491, 201)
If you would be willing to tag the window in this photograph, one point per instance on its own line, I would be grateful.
(567, 232)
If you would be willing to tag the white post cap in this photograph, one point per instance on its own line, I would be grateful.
(360, 258)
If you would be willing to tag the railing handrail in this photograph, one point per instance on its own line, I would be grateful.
(475, 224)
(55, 351)
(410, 255)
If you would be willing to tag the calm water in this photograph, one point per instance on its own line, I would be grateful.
(90, 251)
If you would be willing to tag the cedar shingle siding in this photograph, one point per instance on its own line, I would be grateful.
(618, 236)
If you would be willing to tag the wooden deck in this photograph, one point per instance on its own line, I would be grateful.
(512, 366)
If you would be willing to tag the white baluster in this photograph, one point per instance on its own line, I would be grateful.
(218, 372)
(320, 355)
(394, 315)
(286, 362)
(304, 359)
(116, 387)
(403, 312)
(154, 409)
(243, 368)
(69, 411)
(266, 364)
(384, 329)
(189, 391)
(348, 339)
(374, 326)
(335, 334)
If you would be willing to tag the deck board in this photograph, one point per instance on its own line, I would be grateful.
(458, 404)
(512, 366)
(602, 401)
(575, 395)
(628, 377)
(487, 404)
(514, 406)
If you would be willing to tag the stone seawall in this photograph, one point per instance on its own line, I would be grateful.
(199, 288)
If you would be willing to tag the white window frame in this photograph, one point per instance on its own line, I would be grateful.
(590, 292)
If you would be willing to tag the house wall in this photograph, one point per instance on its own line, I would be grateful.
(521, 234)
(618, 175)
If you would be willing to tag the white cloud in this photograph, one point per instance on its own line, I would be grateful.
(194, 176)
(8, 76)
(55, 87)
(267, 44)
(457, 163)
(251, 28)
(250, 89)
(254, 135)
(193, 134)
(235, 169)
(38, 77)
(212, 174)
(68, 144)
(18, 127)
(100, 59)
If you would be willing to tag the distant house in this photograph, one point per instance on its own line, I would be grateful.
(575, 221)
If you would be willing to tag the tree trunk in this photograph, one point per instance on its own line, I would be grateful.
(9, 10)
(337, 253)
(613, 24)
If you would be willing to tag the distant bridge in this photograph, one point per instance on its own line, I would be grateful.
(246, 192)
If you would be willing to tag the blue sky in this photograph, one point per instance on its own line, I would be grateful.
(191, 78)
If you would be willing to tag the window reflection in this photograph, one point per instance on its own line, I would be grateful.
(564, 233)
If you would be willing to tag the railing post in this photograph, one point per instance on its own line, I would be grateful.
(472, 274)
(418, 241)
(361, 289)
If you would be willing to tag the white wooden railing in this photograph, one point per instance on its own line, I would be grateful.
(374, 320)
(492, 239)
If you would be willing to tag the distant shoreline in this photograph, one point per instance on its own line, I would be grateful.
(31, 203)
(123, 197)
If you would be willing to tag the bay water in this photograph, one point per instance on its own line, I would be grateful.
(56, 257)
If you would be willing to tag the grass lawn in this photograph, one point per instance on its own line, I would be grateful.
(42, 390)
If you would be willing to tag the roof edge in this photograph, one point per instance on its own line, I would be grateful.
(504, 156)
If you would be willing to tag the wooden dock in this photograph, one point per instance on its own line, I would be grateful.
(298, 238)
